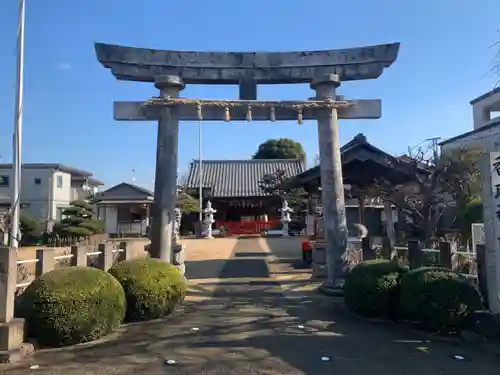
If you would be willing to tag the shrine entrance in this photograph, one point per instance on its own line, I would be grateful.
(243, 217)
(323, 70)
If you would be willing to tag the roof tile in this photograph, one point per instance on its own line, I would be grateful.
(239, 178)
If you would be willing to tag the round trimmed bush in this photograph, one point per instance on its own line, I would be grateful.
(153, 288)
(372, 288)
(438, 298)
(72, 305)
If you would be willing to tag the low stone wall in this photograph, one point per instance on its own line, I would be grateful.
(19, 268)
(136, 247)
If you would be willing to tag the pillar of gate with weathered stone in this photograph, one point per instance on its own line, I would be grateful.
(323, 70)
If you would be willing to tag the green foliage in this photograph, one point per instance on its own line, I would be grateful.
(78, 221)
(372, 288)
(272, 184)
(76, 232)
(438, 298)
(82, 204)
(474, 211)
(72, 305)
(153, 288)
(72, 211)
(469, 213)
(458, 174)
(283, 148)
(187, 203)
(31, 230)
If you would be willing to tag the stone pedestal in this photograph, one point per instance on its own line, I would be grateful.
(286, 230)
(11, 329)
(319, 265)
(179, 258)
(12, 348)
(319, 268)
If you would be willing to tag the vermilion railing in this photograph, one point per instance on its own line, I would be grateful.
(247, 227)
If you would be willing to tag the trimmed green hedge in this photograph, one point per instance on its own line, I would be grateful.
(438, 298)
(153, 288)
(372, 288)
(72, 305)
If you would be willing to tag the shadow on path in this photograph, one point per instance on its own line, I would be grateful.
(243, 263)
(252, 328)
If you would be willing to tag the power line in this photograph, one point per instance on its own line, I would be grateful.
(434, 146)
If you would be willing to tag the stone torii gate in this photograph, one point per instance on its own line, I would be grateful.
(323, 70)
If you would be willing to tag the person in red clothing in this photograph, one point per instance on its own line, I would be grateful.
(306, 251)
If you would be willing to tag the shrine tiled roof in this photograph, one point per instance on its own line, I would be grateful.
(238, 178)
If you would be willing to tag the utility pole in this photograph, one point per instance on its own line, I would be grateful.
(435, 147)
(18, 129)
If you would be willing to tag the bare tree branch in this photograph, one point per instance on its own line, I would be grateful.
(433, 185)
(272, 184)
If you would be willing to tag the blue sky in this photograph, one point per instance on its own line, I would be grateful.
(68, 96)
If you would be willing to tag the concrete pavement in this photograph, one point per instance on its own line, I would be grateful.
(252, 310)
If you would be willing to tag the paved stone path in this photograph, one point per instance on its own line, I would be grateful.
(255, 313)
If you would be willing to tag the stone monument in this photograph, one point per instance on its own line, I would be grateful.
(177, 226)
(319, 264)
(178, 249)
(323, 70)
(490, 174)
(209, 219)
(285, 218)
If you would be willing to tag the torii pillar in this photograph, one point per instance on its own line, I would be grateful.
(165, 193)
(332, 184)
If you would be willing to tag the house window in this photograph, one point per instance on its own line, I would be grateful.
(38, 181)
(130, 214)
(4, 180)
(59, 181)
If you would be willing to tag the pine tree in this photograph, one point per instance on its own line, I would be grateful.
(77, 221)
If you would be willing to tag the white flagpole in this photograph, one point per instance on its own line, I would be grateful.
(18, 126)
(200, 174)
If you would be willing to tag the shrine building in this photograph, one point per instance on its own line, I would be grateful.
(362, 165)
(233, 188)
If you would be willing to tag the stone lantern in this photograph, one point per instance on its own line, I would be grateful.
(285, 217)
(209, 218)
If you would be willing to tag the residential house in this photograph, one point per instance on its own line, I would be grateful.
(486, 124)
(46, 188)
(125, 209)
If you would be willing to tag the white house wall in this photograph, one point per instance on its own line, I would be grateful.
(478, 140)
(483, 109)
(61, 195)
(43, 200)
(34, 197)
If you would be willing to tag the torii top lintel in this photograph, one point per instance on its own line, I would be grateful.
(142, 64)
